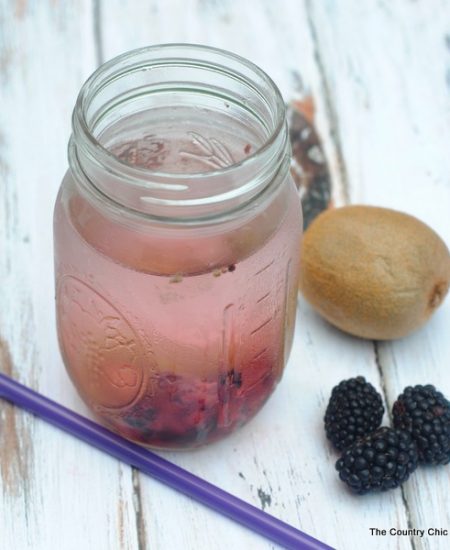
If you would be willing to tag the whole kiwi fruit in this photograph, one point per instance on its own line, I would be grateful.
(373, 272)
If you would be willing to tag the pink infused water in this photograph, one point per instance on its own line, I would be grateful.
(175, 337)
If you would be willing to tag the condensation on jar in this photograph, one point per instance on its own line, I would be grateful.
(177, 230)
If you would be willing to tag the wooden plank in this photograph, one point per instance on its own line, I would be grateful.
(280, 461)
(387, 67)
(55, 492)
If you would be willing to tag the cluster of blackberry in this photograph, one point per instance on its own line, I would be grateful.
(377, 458)
(179, 411)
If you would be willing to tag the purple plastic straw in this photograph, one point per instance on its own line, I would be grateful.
(157, 467)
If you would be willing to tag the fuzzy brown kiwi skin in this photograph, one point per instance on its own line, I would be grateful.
(373, 272)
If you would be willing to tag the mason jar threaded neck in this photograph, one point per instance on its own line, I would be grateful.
(179, 131)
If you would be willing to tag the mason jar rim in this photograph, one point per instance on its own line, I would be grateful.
(97, 81)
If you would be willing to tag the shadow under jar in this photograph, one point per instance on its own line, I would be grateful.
(177, 231)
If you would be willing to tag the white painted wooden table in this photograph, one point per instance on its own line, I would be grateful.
(379, 74)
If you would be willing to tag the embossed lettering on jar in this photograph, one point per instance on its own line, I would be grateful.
(177, 231)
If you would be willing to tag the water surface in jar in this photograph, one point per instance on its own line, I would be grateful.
(181, 139)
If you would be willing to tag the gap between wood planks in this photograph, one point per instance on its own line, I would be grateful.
(345, 191)
(137, 503)
(330, 110)
(141, 530)
(97, 31)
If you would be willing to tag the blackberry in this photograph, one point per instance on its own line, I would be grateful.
(425, 413)
(381, 461)
(355, 410)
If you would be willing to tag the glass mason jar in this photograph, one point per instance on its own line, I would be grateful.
(177, 231)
